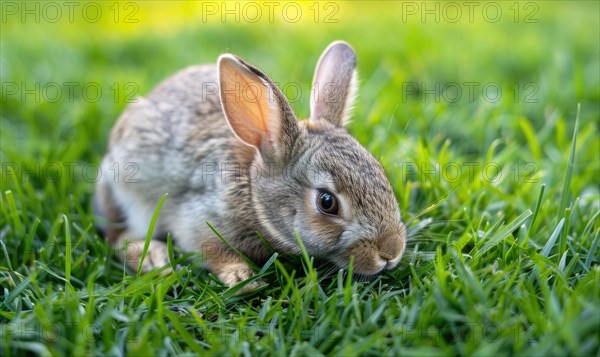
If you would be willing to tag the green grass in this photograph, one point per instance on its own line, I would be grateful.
(505, 264)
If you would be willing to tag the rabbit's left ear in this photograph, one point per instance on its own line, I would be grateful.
(255, 108)
(334, 84)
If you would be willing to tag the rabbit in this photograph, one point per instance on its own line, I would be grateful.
(225, 145)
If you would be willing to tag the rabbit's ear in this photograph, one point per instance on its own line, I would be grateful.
(255, 108)
(334, 84)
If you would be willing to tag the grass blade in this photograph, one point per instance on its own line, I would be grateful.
(268, 263)
(250, 262)
(569, 174)
(536, 211)
(548, 247)
(5, 251)
(27, 252)
(150, 233)
(588, 229)
(170, 251)
(14, 212)
(67, 248)
(565, 231)
(592, 255)
(503, 233)
(194, 344)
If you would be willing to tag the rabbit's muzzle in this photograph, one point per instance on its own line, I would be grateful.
(371, 256)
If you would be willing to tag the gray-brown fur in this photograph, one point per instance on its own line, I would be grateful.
(186, 125)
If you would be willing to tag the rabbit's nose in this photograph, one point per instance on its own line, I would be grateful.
(391, 248)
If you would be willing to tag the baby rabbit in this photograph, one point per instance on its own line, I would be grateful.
(225, 145)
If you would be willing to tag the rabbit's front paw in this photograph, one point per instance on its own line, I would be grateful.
(156, 257)
(235, 273)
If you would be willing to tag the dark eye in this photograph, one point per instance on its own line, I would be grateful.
(327, 203)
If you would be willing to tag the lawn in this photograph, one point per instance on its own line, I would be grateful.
(486, 117)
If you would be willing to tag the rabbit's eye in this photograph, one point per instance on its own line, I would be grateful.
(327, 203)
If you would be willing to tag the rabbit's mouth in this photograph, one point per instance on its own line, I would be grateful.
(393, 263)
(378, 266)
(367, 266)
(372, 257)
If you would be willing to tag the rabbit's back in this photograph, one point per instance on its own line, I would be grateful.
(172, 135)
(169, 142)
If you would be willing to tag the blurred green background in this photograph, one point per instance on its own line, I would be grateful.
(68, 69)
(553, 45)
(462, 74)
(440, 83)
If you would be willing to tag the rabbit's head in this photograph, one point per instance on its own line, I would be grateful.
(314, 177)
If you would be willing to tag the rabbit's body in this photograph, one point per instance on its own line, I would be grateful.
(180, 126)
(188, 134)
(240, 161)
